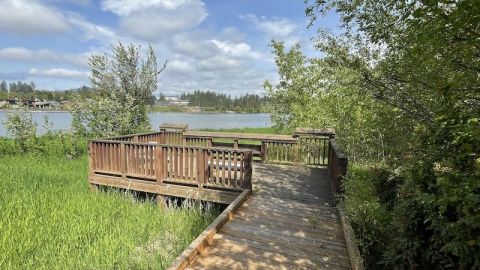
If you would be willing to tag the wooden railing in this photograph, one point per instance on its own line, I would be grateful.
(337, 165)
(268, 148)
(175, 164)
(208, 160)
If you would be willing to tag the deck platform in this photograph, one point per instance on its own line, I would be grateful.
(289, 222)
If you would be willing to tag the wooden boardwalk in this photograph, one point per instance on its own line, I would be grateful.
(287, 223)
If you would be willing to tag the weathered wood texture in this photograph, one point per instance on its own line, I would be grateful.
(337, 165)
(306, 146)
(199, 167)
(288, 223)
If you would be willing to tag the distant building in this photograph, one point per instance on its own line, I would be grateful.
(175, 101)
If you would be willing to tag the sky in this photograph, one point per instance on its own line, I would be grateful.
(220, 45)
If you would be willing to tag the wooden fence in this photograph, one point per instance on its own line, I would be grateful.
(212, 160)
(268, 148)
(337, 165)
(174, 164)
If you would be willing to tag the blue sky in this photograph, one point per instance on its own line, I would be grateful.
(214, 45)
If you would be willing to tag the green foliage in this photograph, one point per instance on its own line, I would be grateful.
(49, 219)
(316, 92)
(370, 217)
(22, 128)
(122, 86)
(400, 84)
(221, 102)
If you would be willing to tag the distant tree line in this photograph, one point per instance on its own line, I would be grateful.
(24, 90)
(223, 102)
(20, 87)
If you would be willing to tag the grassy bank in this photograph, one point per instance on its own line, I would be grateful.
(50, 220)
(262, 130)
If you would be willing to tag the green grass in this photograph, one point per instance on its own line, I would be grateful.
(261, 130)
(49, 219)
(264, 130)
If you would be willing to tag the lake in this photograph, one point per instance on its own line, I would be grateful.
(63, 120)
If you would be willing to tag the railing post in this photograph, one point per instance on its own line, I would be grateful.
(263, 152)
(123, 160)
(248, 168)
(91, 164)
(235, 144)
(159, 168)
(201, 168)
(135, 138)
(209, 142)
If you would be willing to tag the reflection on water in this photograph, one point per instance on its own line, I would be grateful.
(62, 120)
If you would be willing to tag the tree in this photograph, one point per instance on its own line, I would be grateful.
(3, 86)
(122, 85)
(421, 58)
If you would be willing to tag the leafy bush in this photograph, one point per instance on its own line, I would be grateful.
(427, 215)
(7, 147)
(370, 217)
(64, 144)
(22, 128)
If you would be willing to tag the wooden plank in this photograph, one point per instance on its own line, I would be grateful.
(217, 196)
(313, 223)
(235, 261)
(265, 248)
(285, 242)
(353, 252)
(246, 253)
(289, 229)
(202, 241)
(238, 136)
(280, 233)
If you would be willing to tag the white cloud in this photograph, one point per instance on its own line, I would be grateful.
(156, 20)
(274, 27)
(280, 29)
(44, 55)
(59, 72)
(91, 31)
(193, 45)
(126, 7)
(180, 66)
(236, 49)
(30, 17)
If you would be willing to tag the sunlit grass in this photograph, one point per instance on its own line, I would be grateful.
(50, 220)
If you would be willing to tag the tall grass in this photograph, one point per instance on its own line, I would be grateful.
(50, 220)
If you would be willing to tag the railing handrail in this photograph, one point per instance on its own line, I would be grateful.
(151, 162)
(239, 136)
(337, 165)
(172, 145)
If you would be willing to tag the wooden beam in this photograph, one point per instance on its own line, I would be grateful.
(352, 248)
(205, 238)
(188, 192)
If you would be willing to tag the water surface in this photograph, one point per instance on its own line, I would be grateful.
(63, 120)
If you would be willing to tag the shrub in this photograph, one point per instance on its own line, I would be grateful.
(22, 128)
(370, 217)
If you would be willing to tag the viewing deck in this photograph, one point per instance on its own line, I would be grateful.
(278, 216)
(289, 222)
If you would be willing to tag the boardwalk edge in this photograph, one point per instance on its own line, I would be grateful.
(352, 248)
(203, 240)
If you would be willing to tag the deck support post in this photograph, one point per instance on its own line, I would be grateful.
(235, 144)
